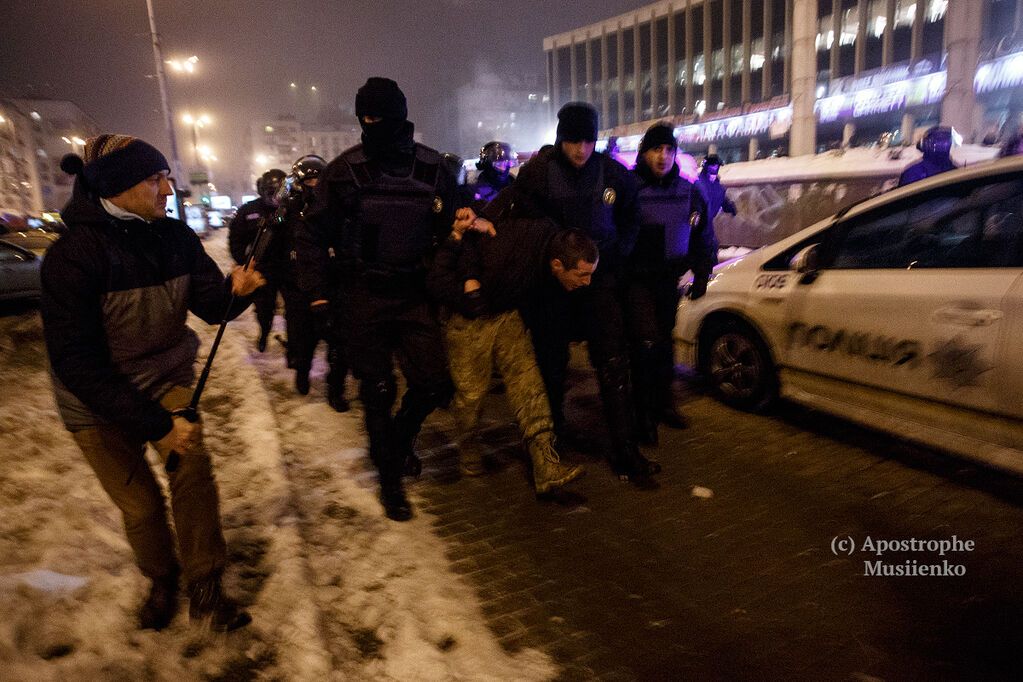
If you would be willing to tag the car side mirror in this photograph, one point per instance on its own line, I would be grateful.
(807, 263)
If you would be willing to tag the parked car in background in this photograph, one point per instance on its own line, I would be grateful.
(19, 272)
(903, 312)
(35, 239)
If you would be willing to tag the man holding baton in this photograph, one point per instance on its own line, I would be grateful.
(116, 292)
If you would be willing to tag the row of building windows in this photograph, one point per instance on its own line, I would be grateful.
(725, 53)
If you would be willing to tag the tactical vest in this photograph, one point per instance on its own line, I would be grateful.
(590, 209)
(664, 223)
(393, 222)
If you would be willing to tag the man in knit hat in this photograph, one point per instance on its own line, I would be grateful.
(382, 207)
(671, 237)
(578, 187)
(116, 291)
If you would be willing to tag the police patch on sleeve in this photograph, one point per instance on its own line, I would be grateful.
(438, 204)
(609, 196)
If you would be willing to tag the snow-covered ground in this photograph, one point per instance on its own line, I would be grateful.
(336, 590)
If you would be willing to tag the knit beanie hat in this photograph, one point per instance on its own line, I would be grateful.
(577, 121)
(381, 97)
(656, 135)
(115, 163)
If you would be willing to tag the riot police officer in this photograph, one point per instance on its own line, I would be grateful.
(496, 161)
(383, 206)
(716, 200)
(671, 237)
(304, 328)
(241, 236)
(936, 146)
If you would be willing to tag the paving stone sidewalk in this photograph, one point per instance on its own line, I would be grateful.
(617, 583)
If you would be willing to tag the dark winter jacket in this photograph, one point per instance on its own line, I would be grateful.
(487, 185)
(667, 235)
(508, 266)
(333, 226)
(115, 297)
(600, 199)
(925, 168)
(243, 231)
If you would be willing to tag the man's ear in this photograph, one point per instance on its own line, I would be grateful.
(556, 266)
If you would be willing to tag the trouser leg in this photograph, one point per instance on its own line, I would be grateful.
(470, 356)
(513, 352)
(195, 504)
(113, 455)
(264, 300)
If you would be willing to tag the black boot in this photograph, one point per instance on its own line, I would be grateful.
(396, 504)
(665, 409)
(336, 397)
(632, 467)
(208, 604)
(416, 406)
(261, 341)
(161, 605)
(302, 380)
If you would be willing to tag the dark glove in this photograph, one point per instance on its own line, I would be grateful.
(473, 304)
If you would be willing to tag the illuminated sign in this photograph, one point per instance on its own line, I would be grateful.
(890, 97)
(746, 125)
(221, 202)
(998, 74)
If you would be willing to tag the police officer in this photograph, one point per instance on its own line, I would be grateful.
(716, 201)
(382, 206)
(580, 188)
(495, 164)
(671, 236)
(241, 236)
(936, 145)
(304, 328)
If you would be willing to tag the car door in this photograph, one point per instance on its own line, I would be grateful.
(18, 272)
(912, 299)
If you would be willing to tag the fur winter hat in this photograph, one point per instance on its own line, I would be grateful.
(656, 135)
(115, 163)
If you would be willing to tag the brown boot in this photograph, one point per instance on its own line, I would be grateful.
(208, 604)
(161, 604)
(548, 471)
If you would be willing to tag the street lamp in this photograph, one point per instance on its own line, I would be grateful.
(168, 119)
(183, 65)
(196, 122)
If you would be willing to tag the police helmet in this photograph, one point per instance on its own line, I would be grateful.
(269, 181)
(308, 167)
(495, 151)
(937, 141)
(453, 162)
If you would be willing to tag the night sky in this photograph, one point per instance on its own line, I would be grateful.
(98, 54)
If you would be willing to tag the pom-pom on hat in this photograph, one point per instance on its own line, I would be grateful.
(115, 163)
(577, 121)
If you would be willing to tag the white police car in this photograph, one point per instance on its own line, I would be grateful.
(903, 312)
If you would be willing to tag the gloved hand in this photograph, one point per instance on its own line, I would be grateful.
(473, 304)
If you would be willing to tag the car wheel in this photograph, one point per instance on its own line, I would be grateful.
(739, 367)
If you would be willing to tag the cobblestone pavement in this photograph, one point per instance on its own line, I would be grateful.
(618, 583)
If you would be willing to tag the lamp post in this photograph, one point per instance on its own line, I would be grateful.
(196, 122)
(167, 118)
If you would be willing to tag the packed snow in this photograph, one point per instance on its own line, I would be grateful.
(336, 590)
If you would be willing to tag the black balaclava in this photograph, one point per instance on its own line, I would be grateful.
(392, 135)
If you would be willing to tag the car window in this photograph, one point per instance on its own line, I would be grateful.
(974, 225)
(9, 255)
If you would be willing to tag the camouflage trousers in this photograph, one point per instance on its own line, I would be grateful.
(475, 348)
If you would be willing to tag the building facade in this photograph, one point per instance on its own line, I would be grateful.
(748, 78)
(278, 143)
(491, 107)
(35, 134)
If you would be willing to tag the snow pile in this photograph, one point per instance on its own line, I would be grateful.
(336, 590)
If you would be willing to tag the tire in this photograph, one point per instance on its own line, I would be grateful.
(738, 366)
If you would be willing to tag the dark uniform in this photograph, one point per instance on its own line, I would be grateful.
(671, 239)
(241, 236)
(495, 163)
(600, 199)
(383, 206)
(716, 200)
(306, 328)
(937, 148)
